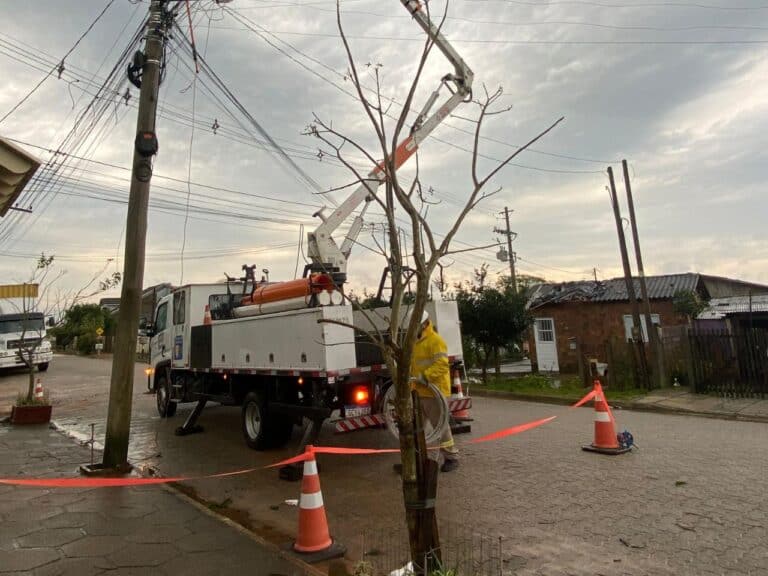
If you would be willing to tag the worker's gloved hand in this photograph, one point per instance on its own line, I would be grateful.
(417, 381)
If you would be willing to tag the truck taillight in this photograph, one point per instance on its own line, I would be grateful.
(360, 395)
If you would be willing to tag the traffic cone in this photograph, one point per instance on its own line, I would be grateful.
(314, 542)
(39, 393)
(207, 317)
(457, 393)
(605, 441)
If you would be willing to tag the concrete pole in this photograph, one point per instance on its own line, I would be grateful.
(512, 276)
(637, 335)
(123, 361)
(653, 337)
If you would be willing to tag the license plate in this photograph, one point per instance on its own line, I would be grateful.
(355, 411)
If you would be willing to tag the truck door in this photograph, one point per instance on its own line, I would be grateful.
(160, 345)
(180, 352)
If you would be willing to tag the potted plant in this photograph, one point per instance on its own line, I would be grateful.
(31, 410)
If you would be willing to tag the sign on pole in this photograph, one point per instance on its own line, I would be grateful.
(18, 291)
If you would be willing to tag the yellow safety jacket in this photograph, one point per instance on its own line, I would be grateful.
(430, 359)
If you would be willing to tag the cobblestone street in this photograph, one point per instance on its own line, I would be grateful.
(690, 500)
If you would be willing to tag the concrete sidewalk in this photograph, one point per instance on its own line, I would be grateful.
(126, 531)
(670, 400)
(682, 400)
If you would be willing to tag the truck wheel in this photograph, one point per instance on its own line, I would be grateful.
(42, 367)
(165, 407)
(255, 423)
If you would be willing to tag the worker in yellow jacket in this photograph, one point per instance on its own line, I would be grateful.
(430, 364)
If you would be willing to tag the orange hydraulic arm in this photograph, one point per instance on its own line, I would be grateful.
(322, 248)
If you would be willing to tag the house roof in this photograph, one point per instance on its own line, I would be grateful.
(722, 307)
(613, 290)
(110, 303)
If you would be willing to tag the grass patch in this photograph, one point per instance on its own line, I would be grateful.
(569, 387)
(22, 400)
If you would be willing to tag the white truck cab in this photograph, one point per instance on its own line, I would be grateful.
(24, 331)
(175, 316)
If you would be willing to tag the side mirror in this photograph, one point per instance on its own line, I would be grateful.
(149, 329)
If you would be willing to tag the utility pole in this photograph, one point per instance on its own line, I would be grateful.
(510, 236)
(653, 336)
(637, 335)
(145, 147)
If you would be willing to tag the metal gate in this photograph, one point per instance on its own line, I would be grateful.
(731, 364)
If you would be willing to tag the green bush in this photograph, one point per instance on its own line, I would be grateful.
(86, 343)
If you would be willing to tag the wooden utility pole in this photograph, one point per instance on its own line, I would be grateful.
(653, 336)
(510, 235)
(637, 335)
(145, 147)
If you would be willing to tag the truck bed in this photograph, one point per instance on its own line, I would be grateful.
(295, 340)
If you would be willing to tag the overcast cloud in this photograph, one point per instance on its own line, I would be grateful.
(658, 83)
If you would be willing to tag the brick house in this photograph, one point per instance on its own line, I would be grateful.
(581, 317)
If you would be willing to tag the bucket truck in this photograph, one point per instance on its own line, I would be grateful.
(285, 351)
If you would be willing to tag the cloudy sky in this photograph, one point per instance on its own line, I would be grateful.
(676, 88)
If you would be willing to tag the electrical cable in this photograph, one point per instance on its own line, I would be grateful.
(278, 151)
(531, 42)
(52, 70)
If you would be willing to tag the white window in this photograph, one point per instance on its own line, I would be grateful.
(546, 329)
(628, 324)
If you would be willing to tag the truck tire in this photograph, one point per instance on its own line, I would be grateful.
(42, 367)
(165, 407)
(262, 430)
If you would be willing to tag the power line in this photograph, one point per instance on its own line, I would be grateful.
(529, 42)
(621, 6)
(61, 65)
(169, 178)
(537, 23)
(275, 147)
(245, 21)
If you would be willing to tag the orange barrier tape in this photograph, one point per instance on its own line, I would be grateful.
(123, 482)
(353, 451)
(511, 431)
(584, 400)
(86, 482)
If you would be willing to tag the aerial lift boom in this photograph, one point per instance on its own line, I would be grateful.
(322, 248)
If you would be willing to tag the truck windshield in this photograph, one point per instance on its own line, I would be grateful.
(10, 326)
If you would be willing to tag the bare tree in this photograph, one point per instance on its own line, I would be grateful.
(50, 301)
(426, 250)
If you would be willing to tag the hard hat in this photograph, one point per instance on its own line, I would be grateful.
(424, 317)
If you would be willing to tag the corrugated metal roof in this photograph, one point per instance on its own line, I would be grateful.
(722, 307)
(613, 290)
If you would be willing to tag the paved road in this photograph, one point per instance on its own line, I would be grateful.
(127, 531)
(691, 500)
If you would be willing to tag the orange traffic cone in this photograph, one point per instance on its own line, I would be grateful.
(39, 393)
(462, 414)
(314, 542)
(207, 317)
(606, 441)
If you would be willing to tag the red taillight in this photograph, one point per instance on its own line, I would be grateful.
(360, 395)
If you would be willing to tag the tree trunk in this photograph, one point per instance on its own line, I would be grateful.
(31, 368)
(416, 475)
(486, 358)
